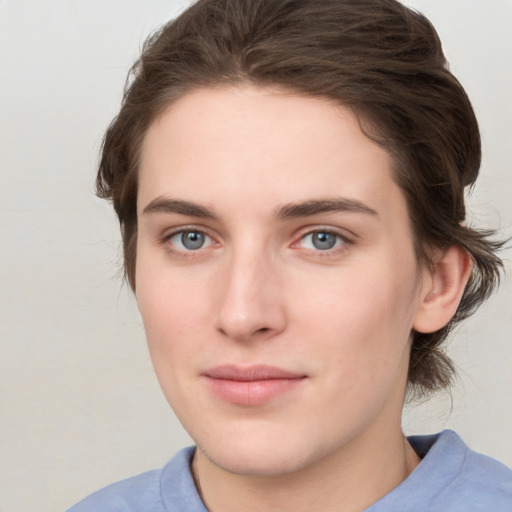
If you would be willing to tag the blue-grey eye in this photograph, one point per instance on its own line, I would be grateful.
(190, 240)
(322, 240)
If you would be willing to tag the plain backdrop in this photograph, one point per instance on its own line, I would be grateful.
(79, 403)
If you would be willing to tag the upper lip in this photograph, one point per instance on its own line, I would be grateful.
(251, 373)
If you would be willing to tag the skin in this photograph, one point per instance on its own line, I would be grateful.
(231, 164)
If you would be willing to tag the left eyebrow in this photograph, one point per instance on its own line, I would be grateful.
(317, 206)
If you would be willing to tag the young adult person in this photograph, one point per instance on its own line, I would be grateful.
(289, 177)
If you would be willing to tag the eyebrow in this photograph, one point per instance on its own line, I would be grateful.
(317, 206)
(167, 205)
(287, 211)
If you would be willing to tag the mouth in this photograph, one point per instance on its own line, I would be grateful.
(253, 385)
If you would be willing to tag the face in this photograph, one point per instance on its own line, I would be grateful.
(276, 277)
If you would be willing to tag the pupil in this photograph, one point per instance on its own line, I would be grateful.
(324, 241)
(192, 240)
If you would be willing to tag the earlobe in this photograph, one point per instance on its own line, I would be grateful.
(442, 290)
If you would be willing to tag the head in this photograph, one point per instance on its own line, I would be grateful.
(376, 58)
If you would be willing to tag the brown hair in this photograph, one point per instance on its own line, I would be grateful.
(377, 57)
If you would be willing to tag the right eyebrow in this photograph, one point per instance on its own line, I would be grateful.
(168, 205)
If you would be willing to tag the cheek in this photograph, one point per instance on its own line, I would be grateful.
(167, 309)
(169, 320)
(362, 319)
(168, 297)
(168, 323)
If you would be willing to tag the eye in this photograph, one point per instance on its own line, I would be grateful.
(322, 240)
(190, 240)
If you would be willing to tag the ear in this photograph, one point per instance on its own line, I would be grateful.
(442, 290)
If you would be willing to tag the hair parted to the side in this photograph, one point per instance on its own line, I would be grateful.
(377, 57)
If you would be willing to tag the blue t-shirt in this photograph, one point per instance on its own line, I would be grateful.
(450, 478)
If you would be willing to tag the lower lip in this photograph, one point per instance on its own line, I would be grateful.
(254, 392)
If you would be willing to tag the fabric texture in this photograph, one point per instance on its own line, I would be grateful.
(450, 478)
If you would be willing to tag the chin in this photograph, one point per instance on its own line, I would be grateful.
(264, 463)
(268, 455)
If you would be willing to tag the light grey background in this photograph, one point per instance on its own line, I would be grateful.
(79, 403)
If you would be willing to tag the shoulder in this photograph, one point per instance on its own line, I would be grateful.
(450, 478)
(487, 481)
(152, 491)
(466, 480)
(134, 494)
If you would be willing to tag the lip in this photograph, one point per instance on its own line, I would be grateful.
(252, 385)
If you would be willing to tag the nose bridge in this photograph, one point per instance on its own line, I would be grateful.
(250, 303)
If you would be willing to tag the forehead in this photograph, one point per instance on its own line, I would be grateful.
(251, 145)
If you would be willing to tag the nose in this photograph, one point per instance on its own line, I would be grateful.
(251, 303)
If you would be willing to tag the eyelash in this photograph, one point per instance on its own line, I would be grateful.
(341, 243)
(186, 253)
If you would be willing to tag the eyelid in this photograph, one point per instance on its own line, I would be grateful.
(344, 234)
(347, 239)
(338, 232)
(170, 233)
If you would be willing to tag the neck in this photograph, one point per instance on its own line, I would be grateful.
(350, 479)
